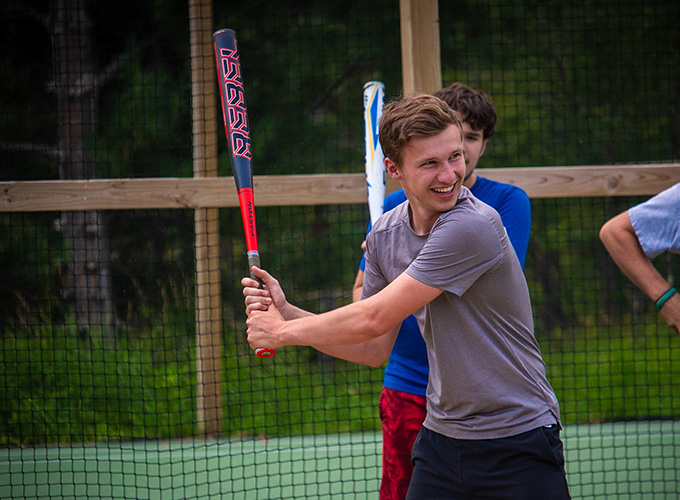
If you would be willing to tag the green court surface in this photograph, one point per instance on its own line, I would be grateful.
(624, 460)
(631, 460)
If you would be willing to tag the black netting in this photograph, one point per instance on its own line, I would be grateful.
(109, 388)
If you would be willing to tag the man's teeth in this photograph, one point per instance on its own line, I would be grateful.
(443, 190)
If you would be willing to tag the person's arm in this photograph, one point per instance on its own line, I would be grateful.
(359, 281)
(372, 352)
(375, 320)
(358, 285)
(620, 240)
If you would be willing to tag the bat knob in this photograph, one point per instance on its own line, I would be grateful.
(263, 352)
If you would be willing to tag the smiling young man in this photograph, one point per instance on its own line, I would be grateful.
(402, 401)
(492, 425)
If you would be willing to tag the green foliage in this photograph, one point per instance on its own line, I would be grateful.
(297, 392)
(153, 279)
(574, 83)
(31, 253)
(56, 388)
(157, 133)
(304, 70)
(612, 379)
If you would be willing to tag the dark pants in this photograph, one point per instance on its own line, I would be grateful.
(529, 466)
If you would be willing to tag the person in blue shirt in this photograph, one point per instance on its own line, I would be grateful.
(402, 400)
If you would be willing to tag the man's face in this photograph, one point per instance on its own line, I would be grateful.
(474, 145)
(431, 175)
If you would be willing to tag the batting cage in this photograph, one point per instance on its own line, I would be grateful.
(124, 366)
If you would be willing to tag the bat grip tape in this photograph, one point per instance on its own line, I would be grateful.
(254, 260)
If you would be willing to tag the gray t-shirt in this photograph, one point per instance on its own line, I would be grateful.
(657, 222)
(487, 377)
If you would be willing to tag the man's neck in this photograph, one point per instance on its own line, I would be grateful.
(470, 181)
(420, 225)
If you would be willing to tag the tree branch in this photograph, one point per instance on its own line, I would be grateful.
(31, 147)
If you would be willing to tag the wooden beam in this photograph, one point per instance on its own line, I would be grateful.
(420, 51)
(588, 181)
(124, 194)
(316, 189)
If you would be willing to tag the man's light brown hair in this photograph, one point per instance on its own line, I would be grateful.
(411, 117)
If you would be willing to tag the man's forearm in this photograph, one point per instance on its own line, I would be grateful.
(352, 324)
(621, 242)
(348, 325)
(373, 352)
(639, 269)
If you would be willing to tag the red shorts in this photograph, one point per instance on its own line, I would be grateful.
(402, 415)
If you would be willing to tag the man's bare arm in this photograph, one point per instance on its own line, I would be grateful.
(374, 352)
(619, 237)
(356, 323)
(621, 241)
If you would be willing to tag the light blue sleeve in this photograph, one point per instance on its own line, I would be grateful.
(657, 222)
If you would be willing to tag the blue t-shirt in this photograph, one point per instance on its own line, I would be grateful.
(407, 368)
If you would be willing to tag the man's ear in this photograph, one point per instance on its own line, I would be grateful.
(481, 153)
(392, 169)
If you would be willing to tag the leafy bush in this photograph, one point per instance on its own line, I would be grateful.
(57, 388)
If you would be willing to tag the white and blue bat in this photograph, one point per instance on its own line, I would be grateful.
(374, 99)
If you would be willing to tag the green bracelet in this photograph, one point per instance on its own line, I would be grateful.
(662, 300)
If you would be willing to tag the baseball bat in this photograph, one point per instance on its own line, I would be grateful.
(235, 114)
(374, 99)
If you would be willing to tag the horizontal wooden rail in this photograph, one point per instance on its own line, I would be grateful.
(317, 189)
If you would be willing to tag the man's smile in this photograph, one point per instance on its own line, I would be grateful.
(444, 190)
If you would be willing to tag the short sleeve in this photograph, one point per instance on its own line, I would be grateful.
(657, 222)
(457, 254)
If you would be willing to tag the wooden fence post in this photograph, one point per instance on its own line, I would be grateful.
(208, 288)
(420, 53)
